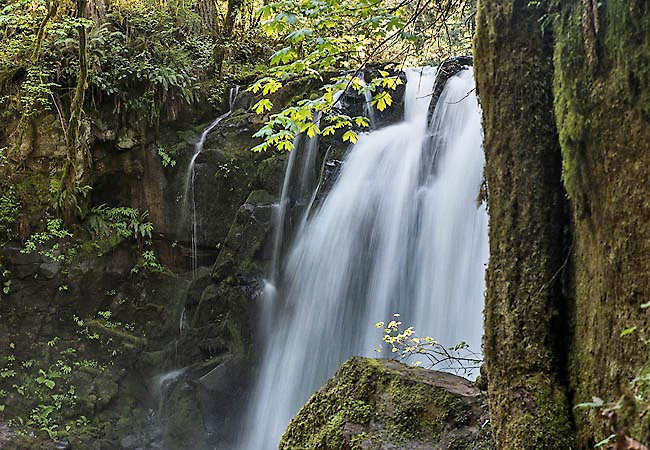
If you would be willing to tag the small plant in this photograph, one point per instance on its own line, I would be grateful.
(44, 379)
(5, 282)
(9, 208)
(148, 261)
(124, 221)
(165, 157)
(635, 399)
(50, 243)
(405, 344)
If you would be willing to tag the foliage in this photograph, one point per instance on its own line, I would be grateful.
(144, 56)
(128, 223)
(166, 158)
(52, 243)
(405, 344)
(9, 208)
(52, 396)
(322, 37)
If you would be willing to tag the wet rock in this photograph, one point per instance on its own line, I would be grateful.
(102, 131)
(63, 444)
(246, 246)
(7, 435)
(126, 139)
(129, 442)
(331, 173)
(447, 69)
(49, 270)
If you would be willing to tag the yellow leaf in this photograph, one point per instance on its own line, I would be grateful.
(263, 105)
(350, 136)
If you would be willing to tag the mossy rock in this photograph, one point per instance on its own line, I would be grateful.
(383, 404)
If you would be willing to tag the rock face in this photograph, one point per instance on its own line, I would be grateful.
(383, 404)
(447, 69)
(81, 341)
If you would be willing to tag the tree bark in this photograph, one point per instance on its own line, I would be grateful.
(602, 104)
(524, 306)
(77, 158)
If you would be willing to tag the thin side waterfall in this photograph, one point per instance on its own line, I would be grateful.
(400, 232)
(188, 197)
(298, 189)
(368, 109)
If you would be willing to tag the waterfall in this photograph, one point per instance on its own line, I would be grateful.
(400, 232)
(368, 109)
(189, 202)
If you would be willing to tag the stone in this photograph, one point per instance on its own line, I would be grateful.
(129, 441)
(384, 404)
(49, 270)
(63, 444)
(126, 139)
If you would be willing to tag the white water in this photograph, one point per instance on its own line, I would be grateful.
(399, 232)
(188, 197)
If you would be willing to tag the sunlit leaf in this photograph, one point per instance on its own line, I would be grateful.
(350, 136)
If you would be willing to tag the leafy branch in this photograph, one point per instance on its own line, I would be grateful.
(405, 345)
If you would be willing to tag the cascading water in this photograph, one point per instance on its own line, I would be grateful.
(400, 231)
(188, 198)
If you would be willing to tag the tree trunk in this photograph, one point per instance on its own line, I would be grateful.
(77, 158)
(524, 306)
(233, 9)
(602, 91)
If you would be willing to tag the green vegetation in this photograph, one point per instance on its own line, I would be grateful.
(335, 42)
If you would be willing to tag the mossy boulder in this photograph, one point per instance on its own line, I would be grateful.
(384, 404)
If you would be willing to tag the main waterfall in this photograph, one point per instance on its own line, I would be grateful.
(400, 232)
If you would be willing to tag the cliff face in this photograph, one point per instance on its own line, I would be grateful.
(128, 354)
(589, 62)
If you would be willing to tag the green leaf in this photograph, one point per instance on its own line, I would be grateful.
(260, 148)
(328, 130)
(627, 331)
(283, 56)
(607, 440)
(300, 35)
(271, 86)
(361, 121)
(311, 129)
(265, 131)
(266, 11)
(596, 402)
(285, 145)
(287, 17)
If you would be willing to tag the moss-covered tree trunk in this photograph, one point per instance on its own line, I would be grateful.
(602, 90)
(78, 158)
(513, 64)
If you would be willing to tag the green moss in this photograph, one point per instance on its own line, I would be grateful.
(602, 106)
(382, 402)
(524, 305)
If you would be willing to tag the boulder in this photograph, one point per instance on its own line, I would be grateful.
(384, 404)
